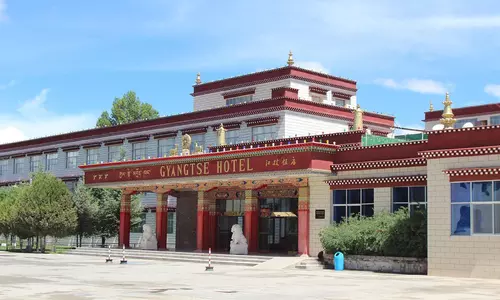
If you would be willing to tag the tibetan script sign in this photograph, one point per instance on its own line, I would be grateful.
(167, 170)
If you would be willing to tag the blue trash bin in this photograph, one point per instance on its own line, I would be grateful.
(338, 259)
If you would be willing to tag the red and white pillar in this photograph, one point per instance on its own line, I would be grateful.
(124, 235)
(205, 223)
(251, 221)
(303, 219)
(161, 220)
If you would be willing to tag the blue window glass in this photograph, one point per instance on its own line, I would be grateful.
(481, 191)
(496, 192)
(483, 218)
(460, 192)
(367, 196)
(353, 196)
(460, 219)
(339, 197)
(339, 212)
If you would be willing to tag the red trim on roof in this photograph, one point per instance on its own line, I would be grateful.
(195, 130)
(239, 93)
(317, 90)
(473, 174)
(468, 111)
(113, 142)
(341, 95)
(166, 134)
(70, 148)
(380, 164)
(273, 75)
(91, 145)
(19, 155)
(285, 91)
(232, 125)
(217, 114)
(53, 150)
(262, 121)
(34, 153)
(139, 138)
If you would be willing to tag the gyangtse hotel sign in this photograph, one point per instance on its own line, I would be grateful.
(268, 163)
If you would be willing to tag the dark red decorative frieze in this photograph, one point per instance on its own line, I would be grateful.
(231, 125)
(444, 153)
(385, 145)
(113, 142)
(139, 138)
(341, 95)
(263, 121)
(412, 180)
(195, 130)
(165, 134)
(318, 90)
(478, 128)
(70, 148)
(473, 174)
(238, 93)
(382, 164)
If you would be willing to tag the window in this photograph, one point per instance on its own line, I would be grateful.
(114, 153)
(461, 123)
(18, 165)
(263, 133)
(476, 204)
(316, 98)
(139, 151)
(339, 102)
(72, 159)
(495, 120)
(232, 137)
(4, 166)
(92, 156)
(348, 202)
(413, 197)
(71, 185)
(34, 163)
(164, 146)
(238, 100)
(197, 139)
(170, 222)
(51, 161)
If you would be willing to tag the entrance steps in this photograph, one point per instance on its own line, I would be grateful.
(310, 263)
(193, 257)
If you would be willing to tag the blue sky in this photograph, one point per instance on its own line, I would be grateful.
(63, 62)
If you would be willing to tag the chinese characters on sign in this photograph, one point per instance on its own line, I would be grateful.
(277, 162)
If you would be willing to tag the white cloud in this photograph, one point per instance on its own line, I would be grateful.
(493, 89)
(8, 84)
(33, 120)
(312, 65)
(3, 11)
(423, 86)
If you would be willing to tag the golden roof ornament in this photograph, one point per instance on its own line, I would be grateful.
(290, 61)
(186, 144)
(431, 107)
(198, 78)
(448, 119)
(221, 135)
(358, 118)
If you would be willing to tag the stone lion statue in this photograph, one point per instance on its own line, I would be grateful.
(239, 244)
(148, 239)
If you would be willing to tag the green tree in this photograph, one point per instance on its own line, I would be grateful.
(108, 223)
(126, 109)
(46, 207)
(87, 209)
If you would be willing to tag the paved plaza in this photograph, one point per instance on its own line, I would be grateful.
(69, 277)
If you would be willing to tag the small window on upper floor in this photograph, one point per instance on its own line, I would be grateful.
(238, 100)
(495, 120)
(461, 123)
(317, 98)
(339, 102)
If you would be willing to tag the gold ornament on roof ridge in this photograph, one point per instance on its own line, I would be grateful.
(358, 118)
(431, 107)
(198, 78)
(448, 119)
(290, 61)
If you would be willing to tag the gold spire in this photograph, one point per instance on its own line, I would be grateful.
(290, 61)
(431, 107)
(448, 119)
(198, 78)
(358, 118)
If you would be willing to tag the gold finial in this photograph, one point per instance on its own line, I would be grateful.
(448, 119)
(358, 118)
(431, 107)
(198, 78)
(221, 135)
(290, 61)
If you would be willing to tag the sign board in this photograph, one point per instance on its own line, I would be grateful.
(319, 214)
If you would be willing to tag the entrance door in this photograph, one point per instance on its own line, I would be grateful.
(229, 212)
(278, 225)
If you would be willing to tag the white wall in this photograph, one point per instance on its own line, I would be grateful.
(304, 124)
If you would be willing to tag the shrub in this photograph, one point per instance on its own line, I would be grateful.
(397, 234)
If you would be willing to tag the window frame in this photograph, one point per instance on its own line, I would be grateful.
(239, 99)
(90, 153)
(143, 149)
(194, 139)
(497, 117)
(51, 160)
(4, 167)
(70, 158)
(232, 140)
(471, 204)
(408, 203)
(271, 135)
(18, 167)
(112, 153)
(33, 166)
(361, 203)
(164, 150)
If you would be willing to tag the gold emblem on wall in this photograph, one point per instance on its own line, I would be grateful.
(186, 144)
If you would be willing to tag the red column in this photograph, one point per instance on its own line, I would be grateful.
(251, 221)
(161, 220)
(202, 223)
(212, 220)
(303, 219)
(124, 236)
